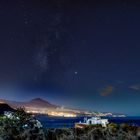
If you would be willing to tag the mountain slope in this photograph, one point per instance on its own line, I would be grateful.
(37, 103)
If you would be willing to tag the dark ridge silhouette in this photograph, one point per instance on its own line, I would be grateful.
(41, 102)
(36, 102)
(5, 107)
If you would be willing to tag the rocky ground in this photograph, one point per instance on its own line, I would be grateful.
(112, 132)
(19, 125)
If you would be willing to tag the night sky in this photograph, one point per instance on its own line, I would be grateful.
(80, 54)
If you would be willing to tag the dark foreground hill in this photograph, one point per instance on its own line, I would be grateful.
(5, 107)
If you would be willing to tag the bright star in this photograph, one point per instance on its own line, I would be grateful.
(76, 72)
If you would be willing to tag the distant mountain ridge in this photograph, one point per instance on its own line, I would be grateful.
(41, 106)
(36, 102)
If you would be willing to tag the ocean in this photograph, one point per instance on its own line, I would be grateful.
(61, 122)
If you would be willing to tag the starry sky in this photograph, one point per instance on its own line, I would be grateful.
(81, 54)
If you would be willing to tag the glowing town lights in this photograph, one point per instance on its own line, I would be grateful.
(49, 112)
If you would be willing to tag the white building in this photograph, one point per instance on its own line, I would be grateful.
(95, 120)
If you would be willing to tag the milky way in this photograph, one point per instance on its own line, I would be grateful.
(83, 54)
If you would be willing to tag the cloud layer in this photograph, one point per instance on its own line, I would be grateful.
(107, 90)
(135, 87)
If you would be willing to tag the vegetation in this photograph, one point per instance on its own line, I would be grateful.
(19, 125)
(95, 133)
